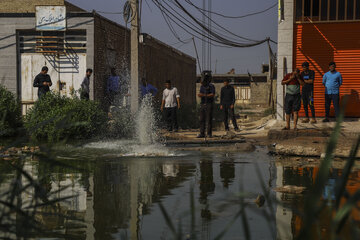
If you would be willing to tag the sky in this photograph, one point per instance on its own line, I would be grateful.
(223, 59)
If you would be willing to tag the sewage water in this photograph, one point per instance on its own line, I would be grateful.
(115, 193)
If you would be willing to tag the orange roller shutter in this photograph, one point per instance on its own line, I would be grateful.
(321, 43)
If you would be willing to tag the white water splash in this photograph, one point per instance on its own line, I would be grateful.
(131, 148)
(146, 119)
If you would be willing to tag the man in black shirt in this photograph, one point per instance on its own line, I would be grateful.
(227, 102)
(308, 77)
(207, 94)
(43, 82)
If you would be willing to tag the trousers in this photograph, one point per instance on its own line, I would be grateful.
(336, 102)
(229, 112)
(171, 118)
(206, 115)
(308, 100)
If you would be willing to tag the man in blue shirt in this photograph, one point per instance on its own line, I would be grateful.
(113, 86)
(147, 88)
(332, 81)
(207, 94)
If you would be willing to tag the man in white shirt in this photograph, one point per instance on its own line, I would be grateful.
(171, 102)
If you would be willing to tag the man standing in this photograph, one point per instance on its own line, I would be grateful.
(113, 86)
(85, 85)
(207, 94)
(227, 102)
(43, 82)
(147, 88)
(332, 80)
(308, 77)
(171, 101)
(292, 97)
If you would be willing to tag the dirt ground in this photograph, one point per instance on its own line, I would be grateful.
(309, 140)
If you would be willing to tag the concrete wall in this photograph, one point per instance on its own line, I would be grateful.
(9, 74)
(285, 51)
(260, 92)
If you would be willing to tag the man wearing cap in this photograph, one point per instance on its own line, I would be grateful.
(292, 97)
(332, 80)
(308, 77)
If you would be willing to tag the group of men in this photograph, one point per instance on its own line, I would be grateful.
(332, 80)
(170, 98)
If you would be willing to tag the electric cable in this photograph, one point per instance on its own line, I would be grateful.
(167, 13)
(181, 16)
(220, 38)
(233, 17)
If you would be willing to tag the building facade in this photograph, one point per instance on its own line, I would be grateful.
(88, 41)
(254, 90)
(320, 31)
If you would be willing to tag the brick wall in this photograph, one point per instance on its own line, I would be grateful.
(112, 49)
(163, 63)
(157, 61)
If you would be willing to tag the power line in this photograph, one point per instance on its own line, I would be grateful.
(233, 17)
(194, 28)
(219, 38)
(188, 25)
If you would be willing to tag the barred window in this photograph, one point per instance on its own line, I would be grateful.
(327, 10)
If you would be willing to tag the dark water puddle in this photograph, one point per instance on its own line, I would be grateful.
(118, 196)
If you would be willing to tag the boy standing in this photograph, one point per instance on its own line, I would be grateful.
(292, 97)
(227, 102)
(171, 102)
(332, 81)
(308, 77)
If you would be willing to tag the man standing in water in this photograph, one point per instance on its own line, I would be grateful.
(332, 81)
(43, 82)
(292, 97)
(207, 94)
(85, 85)
(227, 103)
(171, 102)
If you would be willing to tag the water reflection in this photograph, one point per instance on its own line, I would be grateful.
(116, 198)
(289, 214)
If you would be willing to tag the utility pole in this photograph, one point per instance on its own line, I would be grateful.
(134, 56)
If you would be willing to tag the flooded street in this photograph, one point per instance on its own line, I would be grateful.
(118, 191)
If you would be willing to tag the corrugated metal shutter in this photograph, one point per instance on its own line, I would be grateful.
(320, 43)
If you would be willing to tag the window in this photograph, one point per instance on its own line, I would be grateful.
(327, 10)
(350, 10)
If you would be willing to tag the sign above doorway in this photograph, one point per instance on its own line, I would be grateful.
(50, 18)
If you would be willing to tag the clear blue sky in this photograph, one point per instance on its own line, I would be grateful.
(241, 59)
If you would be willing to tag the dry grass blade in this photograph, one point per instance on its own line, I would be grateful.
(312, 200)
(341, 183)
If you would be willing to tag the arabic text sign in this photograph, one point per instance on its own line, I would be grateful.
(50, 18)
